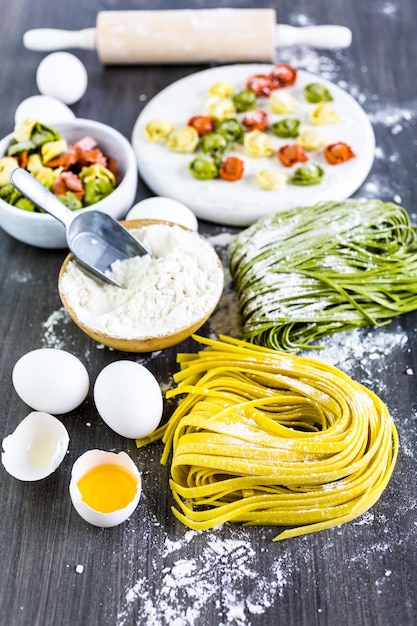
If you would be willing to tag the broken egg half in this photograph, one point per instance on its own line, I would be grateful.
(105, 487)
(36, 448)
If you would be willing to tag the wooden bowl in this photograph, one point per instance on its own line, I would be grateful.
(145, 343)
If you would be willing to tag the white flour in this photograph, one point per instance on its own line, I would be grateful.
(174, 289)
(223, 576)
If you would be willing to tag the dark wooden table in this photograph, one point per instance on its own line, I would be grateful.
(57, 570)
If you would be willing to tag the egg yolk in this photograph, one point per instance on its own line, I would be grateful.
(107, 488)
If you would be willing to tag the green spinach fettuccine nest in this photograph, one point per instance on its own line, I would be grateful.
(312, 271)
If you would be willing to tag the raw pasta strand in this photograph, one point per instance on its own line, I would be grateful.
(270, 438)
(312, 271)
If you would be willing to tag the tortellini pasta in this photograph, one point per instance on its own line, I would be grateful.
(157, 131)
(183, 139)
(252, 118)
(23, 131)
(257, 144)
(220, 108)
(7, 165)
(311, 139)
(282, 103)
(309, 174)
(52, 149)
(45, 175)
(323, 114)
(222, 89)
(96, 170)
(270, 179)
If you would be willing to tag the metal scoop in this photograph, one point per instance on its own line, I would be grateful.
(95, 239)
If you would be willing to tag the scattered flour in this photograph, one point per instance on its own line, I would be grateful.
(226, 319)
(393, 117)
(386, 7)
(54, 330)
(223, 578)
(21, 277)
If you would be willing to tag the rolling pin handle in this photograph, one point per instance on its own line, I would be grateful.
(327, 36)
(49, 39)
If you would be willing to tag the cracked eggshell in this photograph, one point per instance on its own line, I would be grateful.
(86, 462)
(36, 447)
(51, 380)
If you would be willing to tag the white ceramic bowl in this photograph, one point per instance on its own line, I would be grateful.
(43, 230)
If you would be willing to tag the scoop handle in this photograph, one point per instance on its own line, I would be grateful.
(32, 189)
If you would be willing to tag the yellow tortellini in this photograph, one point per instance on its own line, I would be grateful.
(270, 179)
(52, 149)
(222, 89)
(45, 175)
(23, 131)
(311, 139)
(258, 144)
(157, 131)
(96, 170)
(183, 139)
(7, 165)
(281, 103)
(220, 108)
(323, 113)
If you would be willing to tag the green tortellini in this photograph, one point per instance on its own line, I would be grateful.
(315, 92)
(308, 174)
(287, 128)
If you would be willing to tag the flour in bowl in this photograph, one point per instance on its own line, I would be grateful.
(175, 287)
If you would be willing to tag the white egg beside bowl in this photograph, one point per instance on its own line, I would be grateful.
(43, 230)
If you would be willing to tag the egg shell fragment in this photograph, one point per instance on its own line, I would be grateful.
(86, 462)
(36, 447)
(128, 399)
(162, 208)
(51, 380)
(63, 76)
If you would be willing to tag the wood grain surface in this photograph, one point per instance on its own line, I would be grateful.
(58, 571)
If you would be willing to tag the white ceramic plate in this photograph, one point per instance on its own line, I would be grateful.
(242, 202)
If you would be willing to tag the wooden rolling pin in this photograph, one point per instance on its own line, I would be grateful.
(187, 36)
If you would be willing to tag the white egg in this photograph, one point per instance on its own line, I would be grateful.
(88, 499)
(161, 208)
(129, 399)
(50, 380)
(36, 448)
(63, 76)
(44, 109)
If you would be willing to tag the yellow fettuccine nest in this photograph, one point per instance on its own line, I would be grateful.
(269, 438)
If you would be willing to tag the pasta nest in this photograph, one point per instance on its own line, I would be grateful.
(270, 438)
(309, 272)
